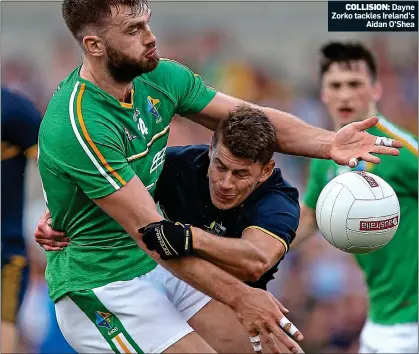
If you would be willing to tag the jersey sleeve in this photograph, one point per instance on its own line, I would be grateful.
(190, 92)
(277, 215)
(91, 154)
(314, 185)
(23, 125)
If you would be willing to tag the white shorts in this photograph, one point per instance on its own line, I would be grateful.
(400, 338)
(145, 315)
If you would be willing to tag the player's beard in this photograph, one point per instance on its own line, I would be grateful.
(124, 68)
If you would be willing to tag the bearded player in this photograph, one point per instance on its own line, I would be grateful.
(351, 90)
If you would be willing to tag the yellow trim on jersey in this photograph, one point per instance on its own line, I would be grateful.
(406, 144)
(11, 279)
(153, 139)
(89, 140)
(9, 150)
(128, 105)
(32, 152)
(270, 234)
(122, 344)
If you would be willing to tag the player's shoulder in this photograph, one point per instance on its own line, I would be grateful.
(188, 155)
(76, 100)
(389, 129)
(169, 66)
(64, 93)
(14, 101)
(275, 192)
(167, 76)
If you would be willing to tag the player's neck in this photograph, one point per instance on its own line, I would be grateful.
(105, 82)
(373, 111)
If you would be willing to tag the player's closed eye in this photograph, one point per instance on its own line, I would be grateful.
(241, 175)
(133, 31)
(355, 84)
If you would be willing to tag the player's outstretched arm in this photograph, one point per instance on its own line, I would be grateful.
(247, 258)
(295, 137)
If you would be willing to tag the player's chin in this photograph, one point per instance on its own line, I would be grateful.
(345, 118)
(151, 62)
(223, 204)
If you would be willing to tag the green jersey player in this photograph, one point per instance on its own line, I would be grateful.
(350, 91)
(101, 150)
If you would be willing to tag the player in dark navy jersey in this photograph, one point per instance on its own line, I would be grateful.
(20, 122)
(249, 229)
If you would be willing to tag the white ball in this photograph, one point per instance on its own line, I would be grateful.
(358, 212)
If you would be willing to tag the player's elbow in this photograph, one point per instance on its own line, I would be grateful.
(256, 269)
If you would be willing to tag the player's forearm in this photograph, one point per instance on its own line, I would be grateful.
(207, 278)
(295, 137)
(307, 226)
(239, 257)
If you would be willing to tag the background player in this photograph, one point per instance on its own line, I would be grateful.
(20, 122)
(350, 90)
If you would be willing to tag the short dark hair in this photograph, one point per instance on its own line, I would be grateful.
(339, 52)
(247, 133)
(78, 14)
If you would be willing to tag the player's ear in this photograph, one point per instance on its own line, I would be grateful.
(211, 147)
(267, 171)
(378, 91)
(93, 45)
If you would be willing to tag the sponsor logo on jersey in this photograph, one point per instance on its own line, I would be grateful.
(371, 181)
(158, 160)
(378, 225)
(129, 135)
(104, 319)
(216, 228)
(152, 108)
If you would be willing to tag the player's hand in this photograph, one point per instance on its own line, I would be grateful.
(168, 239)
(352, 144)
(263, 317)
(47, 237)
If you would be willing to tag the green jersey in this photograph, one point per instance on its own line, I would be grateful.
(91, 145)
(391, 273)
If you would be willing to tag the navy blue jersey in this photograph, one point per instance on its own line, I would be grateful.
(183, 193)
(20, 122)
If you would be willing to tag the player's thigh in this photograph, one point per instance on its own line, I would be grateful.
(219, 326)
(191, 343)
(213, 321)
(125, 317)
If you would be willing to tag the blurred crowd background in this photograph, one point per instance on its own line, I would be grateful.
(263, 52)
